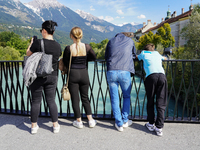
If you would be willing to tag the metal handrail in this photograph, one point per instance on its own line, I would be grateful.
(183, 92)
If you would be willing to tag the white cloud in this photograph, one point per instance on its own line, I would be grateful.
(122, 17)
(141, 16)
(91, 8)
(117, 17)
(128, 6)
(109, 18)
(120, 12)
(101, 17)
(122, 24)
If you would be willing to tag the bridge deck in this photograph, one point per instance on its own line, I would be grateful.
(15, 135)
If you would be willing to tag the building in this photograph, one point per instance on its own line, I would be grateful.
(176, 23)
(145, 28)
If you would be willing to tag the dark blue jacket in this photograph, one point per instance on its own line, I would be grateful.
(120, 52)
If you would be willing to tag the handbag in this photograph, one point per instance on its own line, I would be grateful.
(44, 67)
(65, 91)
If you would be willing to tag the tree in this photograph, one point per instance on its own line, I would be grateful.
(191, 33)
(167, 40)
(99, 48)
(149, 38)
(14, 40)
(8, 53)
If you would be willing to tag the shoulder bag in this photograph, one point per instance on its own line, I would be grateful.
(45, 64)
(65, 91)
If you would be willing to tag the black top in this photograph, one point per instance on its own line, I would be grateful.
(79, 62)
(50, 47)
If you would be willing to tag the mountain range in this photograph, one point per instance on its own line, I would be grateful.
(35, 12)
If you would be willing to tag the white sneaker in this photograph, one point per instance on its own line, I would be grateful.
(158, 131)
(92, 123)
(149, 126)
(34, 130)
(127, 124)
(56, 129)
(120, 129)
(78, 124)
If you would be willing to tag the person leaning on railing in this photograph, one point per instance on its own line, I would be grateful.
(78, 77)
(47, 84)
(119, 55)
(155, 84)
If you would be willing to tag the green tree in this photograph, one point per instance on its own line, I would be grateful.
(14, 40)
(167, 40)
(8, 53)
(191, 33)
(99, 48)
(149, 38)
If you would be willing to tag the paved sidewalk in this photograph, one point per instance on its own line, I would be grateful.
(15, 135)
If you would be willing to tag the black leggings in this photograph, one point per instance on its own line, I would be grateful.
(49, 85)
(79, 82)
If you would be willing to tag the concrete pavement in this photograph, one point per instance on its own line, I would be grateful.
(15, 135)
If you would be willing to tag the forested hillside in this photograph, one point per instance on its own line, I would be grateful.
(27, 32)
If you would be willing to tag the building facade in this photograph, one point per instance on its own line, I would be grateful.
(176, 23)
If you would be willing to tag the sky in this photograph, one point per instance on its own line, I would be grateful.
(121, 12)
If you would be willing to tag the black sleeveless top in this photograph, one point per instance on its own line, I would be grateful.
(79, 62)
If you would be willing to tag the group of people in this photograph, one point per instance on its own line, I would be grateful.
(119, 55)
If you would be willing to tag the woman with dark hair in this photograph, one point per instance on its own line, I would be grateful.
(47, 84)
(78, 78)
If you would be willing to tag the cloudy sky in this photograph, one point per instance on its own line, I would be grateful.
(128, 11)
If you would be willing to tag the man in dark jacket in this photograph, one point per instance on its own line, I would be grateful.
(119, 55)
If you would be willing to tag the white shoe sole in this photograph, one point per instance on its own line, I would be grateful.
(118, 128)
(79, 127)
(93, 125)
(56, 129)
(149, 128)
(34, 130)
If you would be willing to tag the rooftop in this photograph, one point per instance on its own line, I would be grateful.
(171, 20)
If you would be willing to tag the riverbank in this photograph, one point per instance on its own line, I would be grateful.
(15, 135)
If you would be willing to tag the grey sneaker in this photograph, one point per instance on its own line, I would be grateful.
(158, 131)
(56, 129)
(127, 124)
(78, 124)
(120, 129)
(92, 123)
(150, 127)
(34, 130)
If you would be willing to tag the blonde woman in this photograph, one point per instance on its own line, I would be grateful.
(78, 78)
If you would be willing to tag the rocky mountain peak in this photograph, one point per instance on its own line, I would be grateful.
(89, 17)
(42, 4)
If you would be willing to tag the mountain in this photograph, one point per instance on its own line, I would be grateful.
(14, 12)
(36, 11)
(65, 17)
(97, 24)
(104, 26)
(130, 27)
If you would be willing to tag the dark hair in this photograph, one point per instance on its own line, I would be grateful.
(49, 26)
(149, 47)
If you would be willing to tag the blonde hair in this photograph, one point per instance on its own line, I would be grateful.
(77, 33)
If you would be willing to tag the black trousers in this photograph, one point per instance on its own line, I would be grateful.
(79, 84)
(48, 85)
(156, 84)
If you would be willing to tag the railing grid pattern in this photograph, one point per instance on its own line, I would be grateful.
(183, 103)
